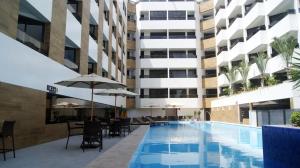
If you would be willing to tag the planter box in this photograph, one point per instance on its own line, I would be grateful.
(281, 146)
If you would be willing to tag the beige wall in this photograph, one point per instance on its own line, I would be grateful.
(130, 83)
(130, 64)
(57, 31)
(209, 43)
(208, 24)
(205, 6)
(131, 26)
(85, 25)
(130, 44)
(9, 11)
(209, 82)
(209, 63)
(28, 108)
(226, 114)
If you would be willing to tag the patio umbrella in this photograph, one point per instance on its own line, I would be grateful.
(65, 105)
(115, 92)
(91, 81)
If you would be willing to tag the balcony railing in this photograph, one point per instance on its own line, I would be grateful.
(231, 20)
(235, 41)
(251, 32)
(218, 9)
(221, 28)
(153, 37)
(222, 49)
(250, 6)
(276, 18)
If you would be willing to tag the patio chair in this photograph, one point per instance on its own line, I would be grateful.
(115, 128)
(7, 132)
(73, 131)
(125, 125)
(92, 133)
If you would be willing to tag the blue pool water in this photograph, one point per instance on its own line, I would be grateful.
(199, 145)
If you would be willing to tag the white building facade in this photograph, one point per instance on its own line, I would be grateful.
(167, 71)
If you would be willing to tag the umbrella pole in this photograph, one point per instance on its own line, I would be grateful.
(115, 106)
(92, 113)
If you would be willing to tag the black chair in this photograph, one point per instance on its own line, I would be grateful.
(92, 133)
(73, 131)
(125, 125)
(7, 132)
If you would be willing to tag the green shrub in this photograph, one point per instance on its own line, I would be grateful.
(295, 119)
(270, 80)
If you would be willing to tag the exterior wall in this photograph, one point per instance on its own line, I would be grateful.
(85, 19)
(226, 114)
(9, 11)
(28, 108)
(57, 31)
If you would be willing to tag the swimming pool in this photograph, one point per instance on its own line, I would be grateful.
(199, 144)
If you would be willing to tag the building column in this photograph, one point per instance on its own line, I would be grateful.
(58, 31)
(100, 37)
(84, 46)
(9, 12)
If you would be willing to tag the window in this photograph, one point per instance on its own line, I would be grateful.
(178, 73)
(177, 54)
(178, 93)
(177, 15)
(158, 15)
(176, 35)
(158, 73)
(192, 54)
(158, 93)
(31, 33)
(193, 93)
(158, 54)
(192, 73)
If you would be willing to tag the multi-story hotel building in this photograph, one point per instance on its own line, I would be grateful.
(244, 28)
(168, 68)
(46, 41)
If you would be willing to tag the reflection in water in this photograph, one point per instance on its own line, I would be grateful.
(199, 145)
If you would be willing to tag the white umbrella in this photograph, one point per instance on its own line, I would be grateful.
(65, 104)
(91, 81)
(115, 92)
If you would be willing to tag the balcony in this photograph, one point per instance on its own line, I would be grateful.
(206, 6)
(209, 43)
(222, 58)
(30, 41)
(274, 5)
(209, 82)
(105, 29)
(257, 42)
(171, 63)
(283, 26)
(236, 30)
(234, 5)
(130, 64)
(207, 24)
(220, 16)
(168, 43)
(222, 80)
(209, 63)
(255, 15)
(164, 102)
(131, 26)
(169, 82)
(221, 38)
(130, 83)
(130, 44)
(237, 51)
(279, 91)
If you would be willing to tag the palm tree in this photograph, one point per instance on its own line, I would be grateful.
(244, 71)
(231, 77)
(261, 61)
(295, 71)
(285, 46)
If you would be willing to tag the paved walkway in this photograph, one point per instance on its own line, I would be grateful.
(54, 155)
(120, 154)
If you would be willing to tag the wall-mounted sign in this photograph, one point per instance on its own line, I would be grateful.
(52, 89)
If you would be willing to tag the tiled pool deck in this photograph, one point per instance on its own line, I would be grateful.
(120, 154)
(54, 155)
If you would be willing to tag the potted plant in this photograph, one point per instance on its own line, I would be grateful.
(295, 119)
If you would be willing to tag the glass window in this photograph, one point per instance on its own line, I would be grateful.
(158, 54)
(192, 54)
(158, 93)
(176, 35)
(177, 15)
(192, 73)
(193, 93)
(158, 73)
(158, 15)
(178, 93)
(177, 54)
(178, 73)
